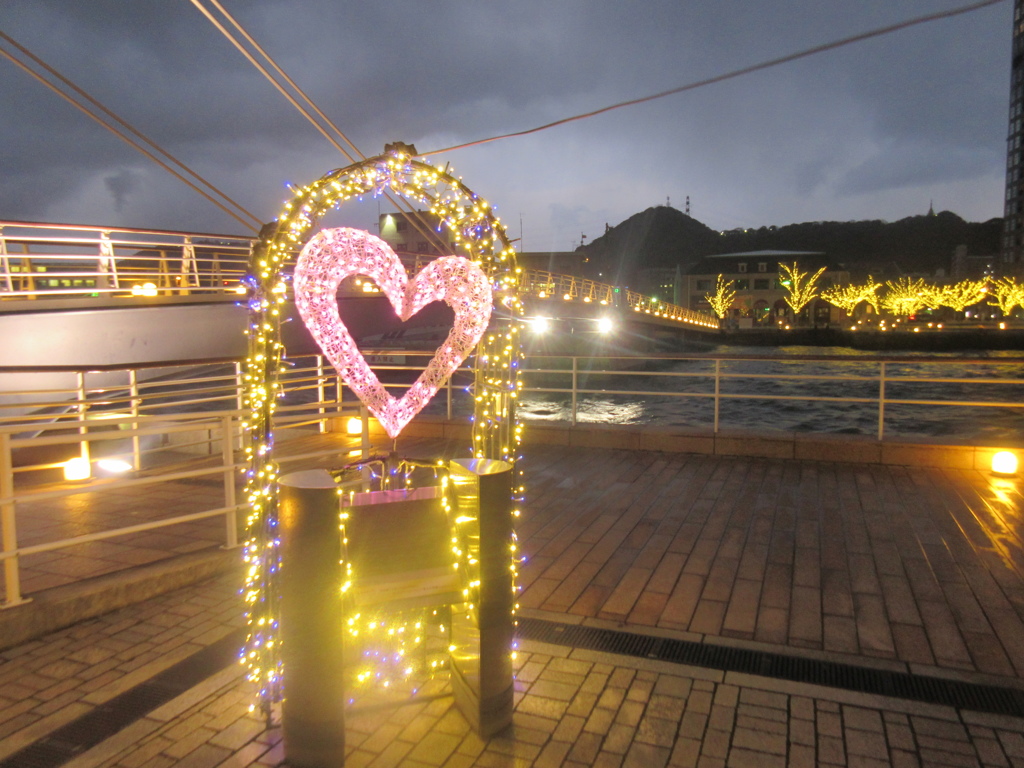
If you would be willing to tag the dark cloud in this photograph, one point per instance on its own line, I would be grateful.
(869, 130)
(121, 185)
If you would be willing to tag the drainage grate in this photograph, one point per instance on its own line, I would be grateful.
(933, 690)
(107, 719)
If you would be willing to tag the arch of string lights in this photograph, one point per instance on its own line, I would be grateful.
(478, 236)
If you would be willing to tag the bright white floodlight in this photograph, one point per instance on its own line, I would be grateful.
(541, 324)
(605, 325)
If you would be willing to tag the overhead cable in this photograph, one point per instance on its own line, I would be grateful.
(735, 73)
(415, 217)
(121, 134)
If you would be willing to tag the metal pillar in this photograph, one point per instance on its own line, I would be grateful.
(482, 638)
(312, 621)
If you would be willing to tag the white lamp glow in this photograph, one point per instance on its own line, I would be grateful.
(77, 469)
(115, 466)
(1004, 463)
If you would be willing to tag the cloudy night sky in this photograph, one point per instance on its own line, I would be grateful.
(877, 129)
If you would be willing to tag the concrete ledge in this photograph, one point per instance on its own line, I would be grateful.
(853, 449)
(779, 445)
(671, 440)
(59, 607)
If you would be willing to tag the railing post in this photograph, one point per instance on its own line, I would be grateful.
(189, 269)
(239, 397)
(449, 388)
(83, 430)
(5, 263)
(321, 392)
(881, 401)
(364, 446)
(575, 378)
(133, 383)
(8, 529)
(228, 458)
(107, 277)
(718, 390)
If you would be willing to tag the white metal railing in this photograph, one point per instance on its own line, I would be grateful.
(54, 261)
(541, 284)
(885, 383)
(157, 427)
(50, 261)
(182, 422)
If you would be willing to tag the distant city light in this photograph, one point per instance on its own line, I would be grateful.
(146, 289)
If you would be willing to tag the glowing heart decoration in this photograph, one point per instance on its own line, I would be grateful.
(334, 254)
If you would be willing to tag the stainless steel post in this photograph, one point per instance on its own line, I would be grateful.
(881, 401)
(312, 621)
(482, 634)
(321, 392)
(83, 430)
(133, 383)
(718, 389)
(575, 376)
(227, 452)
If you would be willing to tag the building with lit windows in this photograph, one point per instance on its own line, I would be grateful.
(418, 232)
(1013, 212)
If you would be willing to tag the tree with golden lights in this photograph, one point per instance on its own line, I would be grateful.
(906, 297)
(848, 297)
(802, 286)
(1008, 294)
(721, 300)
(960, 296)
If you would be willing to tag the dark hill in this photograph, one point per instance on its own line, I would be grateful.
(665, 237)
(657, 237)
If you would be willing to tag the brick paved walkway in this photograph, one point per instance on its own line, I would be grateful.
(905, 568)
(573, 708)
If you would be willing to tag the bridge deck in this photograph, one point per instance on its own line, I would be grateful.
(907, 569)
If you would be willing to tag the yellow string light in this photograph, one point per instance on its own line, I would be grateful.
(496, 432)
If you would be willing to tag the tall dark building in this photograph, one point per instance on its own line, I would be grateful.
(1013, 213)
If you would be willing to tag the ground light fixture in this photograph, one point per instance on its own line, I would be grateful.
(354, 426)
(1004, 463)
(77, 468)
(115, 466)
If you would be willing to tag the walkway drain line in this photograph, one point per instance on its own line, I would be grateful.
(931, 690)
(107, 719)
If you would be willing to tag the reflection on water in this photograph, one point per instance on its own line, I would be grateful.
(746, 402)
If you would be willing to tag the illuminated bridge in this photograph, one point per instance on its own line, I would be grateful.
(99, 294)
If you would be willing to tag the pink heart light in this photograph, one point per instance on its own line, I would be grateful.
(334, 254)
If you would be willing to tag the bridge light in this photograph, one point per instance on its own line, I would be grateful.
(146, 289)
(605, 325)
(540, 324)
